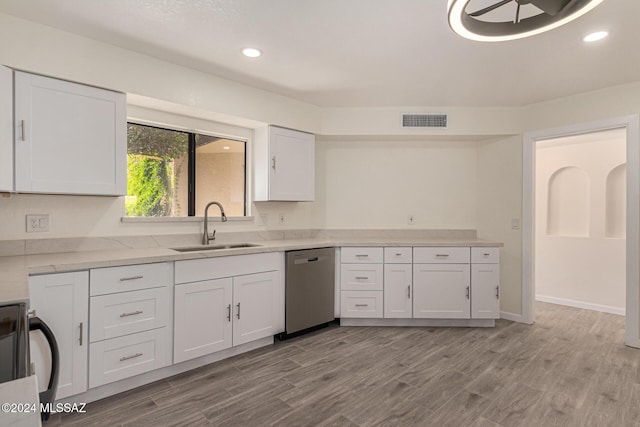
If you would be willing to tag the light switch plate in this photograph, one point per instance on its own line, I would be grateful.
(515, 223)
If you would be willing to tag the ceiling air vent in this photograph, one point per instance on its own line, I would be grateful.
(424, 120)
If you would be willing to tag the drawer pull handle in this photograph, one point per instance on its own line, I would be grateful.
(467, 292)
(133, 356)
(126, 279)
(498, 292)
(22, 131)
(486, 254)
(398, 254)
(442, 255)
(409, 291)
(229, 312)
(133, 313)
(238, 305)
(362, 255)
(81, 333)
(362, 305)
(361, 278)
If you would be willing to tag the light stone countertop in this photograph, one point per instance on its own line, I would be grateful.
(14, 270)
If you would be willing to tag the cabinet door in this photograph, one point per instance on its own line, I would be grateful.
(441, 291)
(69, 138)
(6, 129)
(485, 291)
(292, 165)
(202, 322)
(62, 302)
(397, 291)
(254, 314)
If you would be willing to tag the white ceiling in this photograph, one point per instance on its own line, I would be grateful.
(358, 53)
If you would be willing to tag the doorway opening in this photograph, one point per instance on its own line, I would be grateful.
(631, 126)
(580, 220)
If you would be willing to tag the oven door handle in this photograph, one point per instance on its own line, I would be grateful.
(48, 396)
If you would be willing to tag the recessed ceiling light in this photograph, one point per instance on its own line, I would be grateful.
(594, 37)
(226, 147)
(251, 52)
(476, 19)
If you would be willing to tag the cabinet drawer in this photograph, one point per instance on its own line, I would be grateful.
(361, 304)
(130, 278)
(126, 313)
(401, 255)
(366, 255)
(443, 255)
(361, 277)
(119, 358)
(485, 255)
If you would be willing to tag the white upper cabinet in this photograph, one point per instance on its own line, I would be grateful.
(69, 138)
(284, 162)
(6, 129)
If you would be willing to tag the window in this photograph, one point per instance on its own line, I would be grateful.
(175, 173)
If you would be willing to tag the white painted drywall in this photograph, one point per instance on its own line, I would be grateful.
(44, 50)
(499, 201)
(378, 184)
(577, 262)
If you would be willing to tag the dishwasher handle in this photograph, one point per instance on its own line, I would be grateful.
(307, 260)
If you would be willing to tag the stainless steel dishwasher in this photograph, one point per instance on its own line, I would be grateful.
(309, 289)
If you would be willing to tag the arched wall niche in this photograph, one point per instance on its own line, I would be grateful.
(616, 202)
(568, 203)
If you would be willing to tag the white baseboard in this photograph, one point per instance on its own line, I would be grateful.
(515, 317)
(581, 304)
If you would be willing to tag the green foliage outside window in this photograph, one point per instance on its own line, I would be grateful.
(151, 169)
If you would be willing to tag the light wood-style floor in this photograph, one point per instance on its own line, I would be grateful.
(569, 369)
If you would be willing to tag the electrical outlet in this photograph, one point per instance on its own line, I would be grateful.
(281, 218)
(515, 223)
(411, 220)
(37, 223)
(263, 219)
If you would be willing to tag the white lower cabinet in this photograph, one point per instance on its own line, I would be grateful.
(216, 314)
(202, 318)
(441, 291)
(485, 280)
(366, 304)
(254, 312)
(421, 282)
(126, 356)
(61, 301)
(398, 291)
(130, 314)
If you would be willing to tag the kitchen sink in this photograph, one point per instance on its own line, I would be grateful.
(214, 247)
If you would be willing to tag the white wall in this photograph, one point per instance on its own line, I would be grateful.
(40, 49)
(578, 262)
(499, 201)
(461, 121)
(378, 184)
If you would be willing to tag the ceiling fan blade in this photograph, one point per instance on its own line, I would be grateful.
(490, 8)
(550, 7)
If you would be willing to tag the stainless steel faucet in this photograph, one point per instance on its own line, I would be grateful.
(205, 236)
